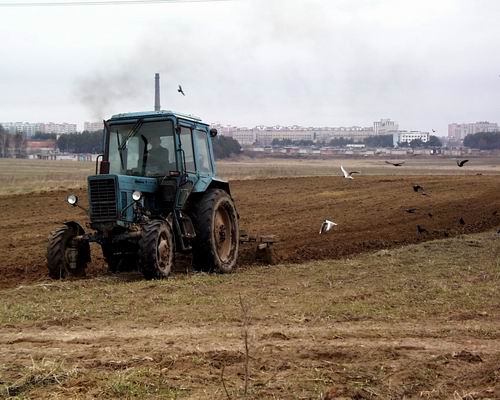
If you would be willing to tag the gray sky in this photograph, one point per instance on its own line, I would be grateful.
(309, 62)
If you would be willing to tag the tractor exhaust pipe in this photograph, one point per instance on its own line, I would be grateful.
(157, 92)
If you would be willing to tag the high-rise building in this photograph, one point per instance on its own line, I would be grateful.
(385, 127)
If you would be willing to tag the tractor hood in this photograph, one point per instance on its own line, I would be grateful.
(110, 196)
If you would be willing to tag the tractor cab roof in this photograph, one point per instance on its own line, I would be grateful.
(155, 114)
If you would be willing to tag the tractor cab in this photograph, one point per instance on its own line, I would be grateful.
(156, 193)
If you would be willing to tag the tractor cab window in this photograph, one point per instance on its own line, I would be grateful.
(145, 149)
(203, 156)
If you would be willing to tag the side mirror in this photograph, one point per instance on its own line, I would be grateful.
(213, 132)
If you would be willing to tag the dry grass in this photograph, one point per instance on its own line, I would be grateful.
(25, 176)
(387, 324)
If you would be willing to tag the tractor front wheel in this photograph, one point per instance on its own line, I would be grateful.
(156, 250)
(64, 257)
(215, 220)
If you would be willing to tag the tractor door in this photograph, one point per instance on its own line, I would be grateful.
(187, 161)
(204, 165)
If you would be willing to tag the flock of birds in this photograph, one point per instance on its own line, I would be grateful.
(328, 225)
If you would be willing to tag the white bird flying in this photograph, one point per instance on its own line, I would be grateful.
(348, 175)
(326, 226)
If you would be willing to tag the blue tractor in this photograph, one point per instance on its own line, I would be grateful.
(156, 194)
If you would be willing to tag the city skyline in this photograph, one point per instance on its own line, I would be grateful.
(319, 63)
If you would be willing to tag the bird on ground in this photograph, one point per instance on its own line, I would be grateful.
(180, 90)
(461, 163)
(326, 226)
(461, 221)
(421, 229)
(348, 175)
(419, 189)
(397, 164)
(411, 210)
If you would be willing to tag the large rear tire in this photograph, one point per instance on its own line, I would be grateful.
(215, 221)
(156, 250)
(59, 253)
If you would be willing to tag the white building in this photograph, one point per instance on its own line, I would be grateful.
(29, 129)
(385, 127)
(25, 128)
(59, 129)
(264, 135)
(93, 126)
(408, 136)
(460, 131)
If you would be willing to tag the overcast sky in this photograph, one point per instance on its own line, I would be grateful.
(423, 63)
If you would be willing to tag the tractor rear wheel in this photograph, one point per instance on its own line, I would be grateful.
(156, 250)
(65, 258)
(215, 221)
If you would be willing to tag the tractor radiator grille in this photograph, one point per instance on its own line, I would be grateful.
(103, 200)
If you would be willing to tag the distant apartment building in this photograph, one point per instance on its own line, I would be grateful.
(93, 126)
(265, 135)
(460, 131)
(408, 136)
(60, 129)
(28, 129)
(385, 127)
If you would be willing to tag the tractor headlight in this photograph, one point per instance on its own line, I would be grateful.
(136, 195)
(72, 200)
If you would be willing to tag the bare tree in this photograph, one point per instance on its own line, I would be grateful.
(4, 142)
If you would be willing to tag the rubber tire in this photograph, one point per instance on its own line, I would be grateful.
(148, 249)
(56, 257)
(205, 256)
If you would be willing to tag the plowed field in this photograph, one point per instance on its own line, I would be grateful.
(369, 210)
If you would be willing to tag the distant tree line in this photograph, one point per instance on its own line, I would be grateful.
(85, 142)
(225, 147)
(483, 140)
(10, 145)
(372, 141)
(291, 142)
(44, 136)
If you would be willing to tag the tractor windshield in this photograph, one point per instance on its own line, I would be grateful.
(142, 149)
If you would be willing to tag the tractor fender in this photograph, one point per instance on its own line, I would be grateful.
(84, 246)
(76, 227)
(220, 184)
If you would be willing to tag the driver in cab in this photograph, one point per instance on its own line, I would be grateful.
(158, 157)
